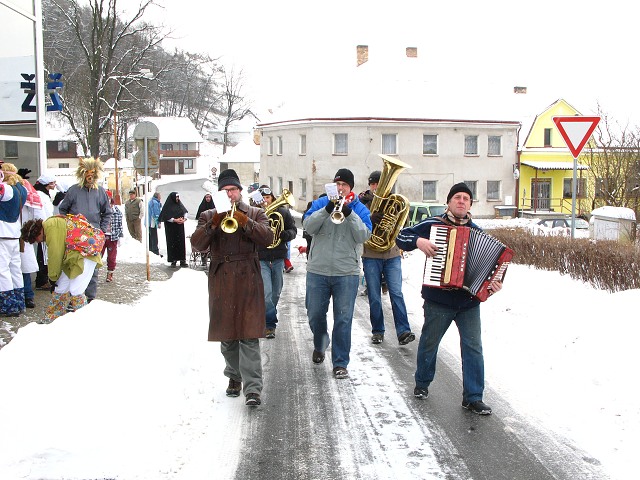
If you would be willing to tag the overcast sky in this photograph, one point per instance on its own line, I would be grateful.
(548, 46)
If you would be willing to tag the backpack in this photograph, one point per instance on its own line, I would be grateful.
(82, 236)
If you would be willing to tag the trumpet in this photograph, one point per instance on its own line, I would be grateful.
(229, 224)
(337, 216)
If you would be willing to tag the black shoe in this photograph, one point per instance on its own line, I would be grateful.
(233, 390)
(377, 338)
(29, 303)
(317, 357)
(340, 372)
(406, 337)
(173, 264)
(12, 314)
(184, 265)
(421, 393)
(478, 407)
(252, 399)
(270, 333)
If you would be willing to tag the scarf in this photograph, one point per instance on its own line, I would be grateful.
(33, 199)
(451, 219)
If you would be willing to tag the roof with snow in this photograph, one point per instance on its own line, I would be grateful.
(614, 212)
(174, 129)
(552, 165)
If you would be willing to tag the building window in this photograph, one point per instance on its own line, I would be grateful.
(494, 147)
(493, 189)
(547, 137)
(303, 188)
(63, 165)
(270, 146)
(167, 147)
(280, 184)
(10, 149)
(279, 150)
(390, 143)
(188, 163)
(303, 145)
(471, 145)
(429, 144)
(63, 146)
(567, 188)
(340, 144)
(473, 186)
(429, 190)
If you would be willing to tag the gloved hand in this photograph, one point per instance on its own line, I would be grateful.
(346, 210)
(330, 207)
(376, 217)
(216, 219)
(241, 218)
(24, 173)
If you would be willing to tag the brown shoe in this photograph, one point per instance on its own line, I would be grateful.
(252, 399)
(317, 357)
(340, 372)
(270, 333)
(109, 276)
(233, 390)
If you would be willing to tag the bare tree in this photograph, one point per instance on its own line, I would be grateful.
(235, 107)
(613, 157)
(107, 62)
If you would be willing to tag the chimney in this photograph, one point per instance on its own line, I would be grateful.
(521, 90)
(412, 52)
(362, 54)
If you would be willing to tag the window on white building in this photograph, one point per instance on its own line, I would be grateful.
(303, 145)
(340, 144)
(429, 144)
(279, 150)
(270, 146)
(390, 143)
(10, 149)
(471, 145)
(494, 147)
(429, 190)
(473, 186)
(493, 189)
(303, 188)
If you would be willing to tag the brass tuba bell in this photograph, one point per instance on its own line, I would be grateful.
(276, 221)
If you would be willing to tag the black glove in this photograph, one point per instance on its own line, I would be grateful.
(24, 172)
(346, 210)
(330, 207)
(376, 217)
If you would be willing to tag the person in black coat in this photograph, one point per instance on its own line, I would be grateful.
(174, 214)
(205, 204)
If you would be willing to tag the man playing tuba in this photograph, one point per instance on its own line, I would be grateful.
(272, 257)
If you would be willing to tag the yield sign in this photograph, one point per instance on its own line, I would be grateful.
(576, 131)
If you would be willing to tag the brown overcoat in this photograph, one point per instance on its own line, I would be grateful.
(236, 291)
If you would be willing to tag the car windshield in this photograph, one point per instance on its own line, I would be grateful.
(437, 209)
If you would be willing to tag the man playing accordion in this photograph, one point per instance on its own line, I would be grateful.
(443, 306)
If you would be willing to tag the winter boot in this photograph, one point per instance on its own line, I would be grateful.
(78, 301)
(57, 307)
(109, 276)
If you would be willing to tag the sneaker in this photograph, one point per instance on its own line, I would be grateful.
(29, 303)
(406, 337)
(317, 357)
(270, 333)
(252, 399)
(233, 390)
(478, 407)
(340, 372)
(421, 393)
(377, 338)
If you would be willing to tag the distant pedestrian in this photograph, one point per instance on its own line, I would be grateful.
(133, 212)
(155, 207)
(112, 238)
(174, 215)
(205, 204)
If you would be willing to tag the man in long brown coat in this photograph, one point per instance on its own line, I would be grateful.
(236, 298)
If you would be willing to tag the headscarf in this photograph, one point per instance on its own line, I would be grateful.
(204, 205)
(172, 208)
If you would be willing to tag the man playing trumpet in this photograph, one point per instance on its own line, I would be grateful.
(272, 257)
(338, 230)
(236, 300)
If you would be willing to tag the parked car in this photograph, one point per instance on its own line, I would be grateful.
(419, 211)
(252, 187)
(560, 226)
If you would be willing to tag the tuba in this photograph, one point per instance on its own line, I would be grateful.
(276, 221)
(393, 207)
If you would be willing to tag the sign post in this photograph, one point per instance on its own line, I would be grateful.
(146, 134)
(575, 131)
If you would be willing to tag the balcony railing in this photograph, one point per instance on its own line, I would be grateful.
(179, 153)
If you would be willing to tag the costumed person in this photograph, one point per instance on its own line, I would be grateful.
(445, 305)
(112, 238)
(333, 270)
(133, 212)
(236, 300)
(174, 215)
(32, 210)
(90, 199)
(272, 260)
(74, 248)
(155, 207)
(205, 204)
(13, 195)
(44, 186)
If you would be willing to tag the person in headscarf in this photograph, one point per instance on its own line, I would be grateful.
(174, 214)
(205, 204)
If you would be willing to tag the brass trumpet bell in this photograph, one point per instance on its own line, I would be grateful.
(229, 224)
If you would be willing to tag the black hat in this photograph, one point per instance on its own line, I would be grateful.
(229, 177)
(460, 187)
(374, 177)
(133, 191)
(344, 175)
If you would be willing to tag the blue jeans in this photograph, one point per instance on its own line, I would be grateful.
(343, 290)
(437, 319)
(374, 268)
(272, 278)
(28, 287)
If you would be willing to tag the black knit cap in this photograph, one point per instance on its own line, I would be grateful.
(374, 177)
(460, 187)
(345, 175)
(228, 177)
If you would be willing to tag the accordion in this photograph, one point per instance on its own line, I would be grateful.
(467, 258)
